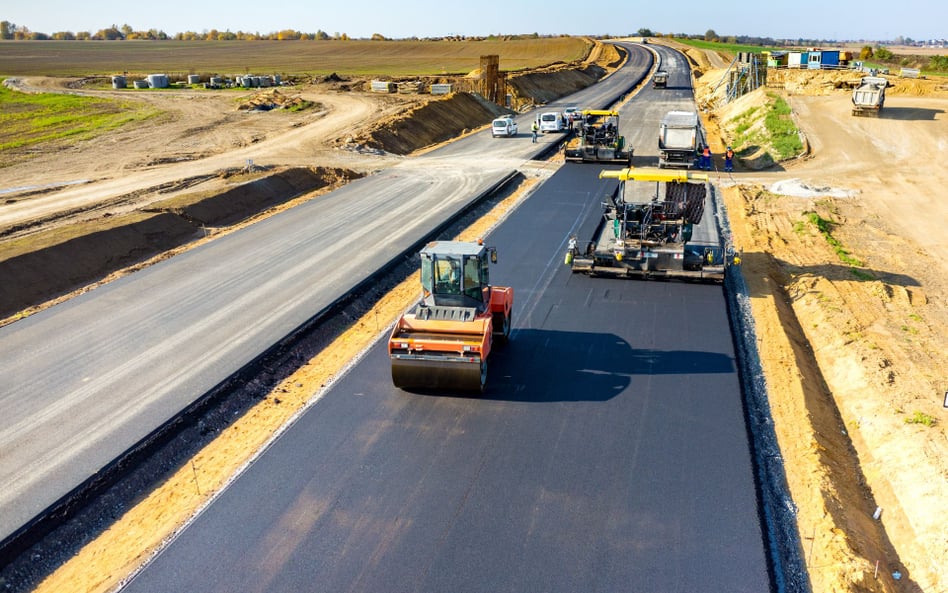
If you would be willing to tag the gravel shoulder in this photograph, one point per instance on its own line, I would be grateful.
(852, 323)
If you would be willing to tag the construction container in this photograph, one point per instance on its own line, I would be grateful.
(118, 82)
(410, 87)
(194, 79)
(140, 84)
(441, 89)
(383, 86)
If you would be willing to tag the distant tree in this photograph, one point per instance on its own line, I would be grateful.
(378, 37)
(110, 34)
(643, 32)
(126, 30)
(882, 53)
(22, 33)
(321, 35)
(64, 36)
(83, 35)
(710, 35)
(865, 53)
(6, 29)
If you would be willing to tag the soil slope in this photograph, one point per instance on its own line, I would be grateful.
(845, 258)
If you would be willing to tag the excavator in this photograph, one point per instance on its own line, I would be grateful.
(443, 343)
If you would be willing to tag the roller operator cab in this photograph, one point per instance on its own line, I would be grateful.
(444, 342)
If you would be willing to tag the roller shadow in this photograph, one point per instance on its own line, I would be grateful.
(561, 366)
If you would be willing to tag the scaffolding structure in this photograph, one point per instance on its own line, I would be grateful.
(746, 73)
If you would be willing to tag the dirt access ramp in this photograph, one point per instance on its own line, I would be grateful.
(846, 268)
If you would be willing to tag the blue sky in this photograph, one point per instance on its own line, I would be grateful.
(791, 19)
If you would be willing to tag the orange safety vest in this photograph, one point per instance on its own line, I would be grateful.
(706, 152)
(730, 154)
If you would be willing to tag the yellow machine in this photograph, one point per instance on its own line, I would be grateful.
(598, 140)
(646, 230)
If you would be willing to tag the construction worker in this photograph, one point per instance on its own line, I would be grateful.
(729, 160)
(536, 128)
(706, 158)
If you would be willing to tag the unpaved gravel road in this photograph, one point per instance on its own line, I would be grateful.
(200, 135)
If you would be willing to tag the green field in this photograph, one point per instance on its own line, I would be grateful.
(732, 48)
(289, 58)
(28, 120)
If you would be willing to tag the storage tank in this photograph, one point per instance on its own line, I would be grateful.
(157, 81)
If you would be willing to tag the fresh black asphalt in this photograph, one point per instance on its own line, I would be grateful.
(609, 453)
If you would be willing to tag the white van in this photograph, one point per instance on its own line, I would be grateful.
(551, 121)
(503, 126)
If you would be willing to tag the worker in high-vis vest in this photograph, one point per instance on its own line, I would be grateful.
(706, 158)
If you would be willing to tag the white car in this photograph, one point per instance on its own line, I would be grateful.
(503, 126)
(573, 114)
(551, 121)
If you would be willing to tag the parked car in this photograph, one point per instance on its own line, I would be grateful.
(573, 114)
(503, 126)
(551, 121)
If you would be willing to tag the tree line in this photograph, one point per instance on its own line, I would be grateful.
(11, 31)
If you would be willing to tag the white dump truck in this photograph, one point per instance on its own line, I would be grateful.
(869, 96)
(679, 140)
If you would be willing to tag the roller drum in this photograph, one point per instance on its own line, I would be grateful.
(438, 374)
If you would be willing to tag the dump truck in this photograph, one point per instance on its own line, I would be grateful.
(679, 140)
(597, 139)
(660, 79)
(648, 229)
(444, 342)
(869, 96)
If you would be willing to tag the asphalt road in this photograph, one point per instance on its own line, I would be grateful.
(609, 453)
(85, 381)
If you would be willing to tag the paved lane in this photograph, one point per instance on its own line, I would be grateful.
(85, 381)
(609, 453)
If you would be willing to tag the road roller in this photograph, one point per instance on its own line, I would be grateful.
(444, 342)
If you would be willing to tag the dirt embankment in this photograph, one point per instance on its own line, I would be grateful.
(846, 277)
(48, 264)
